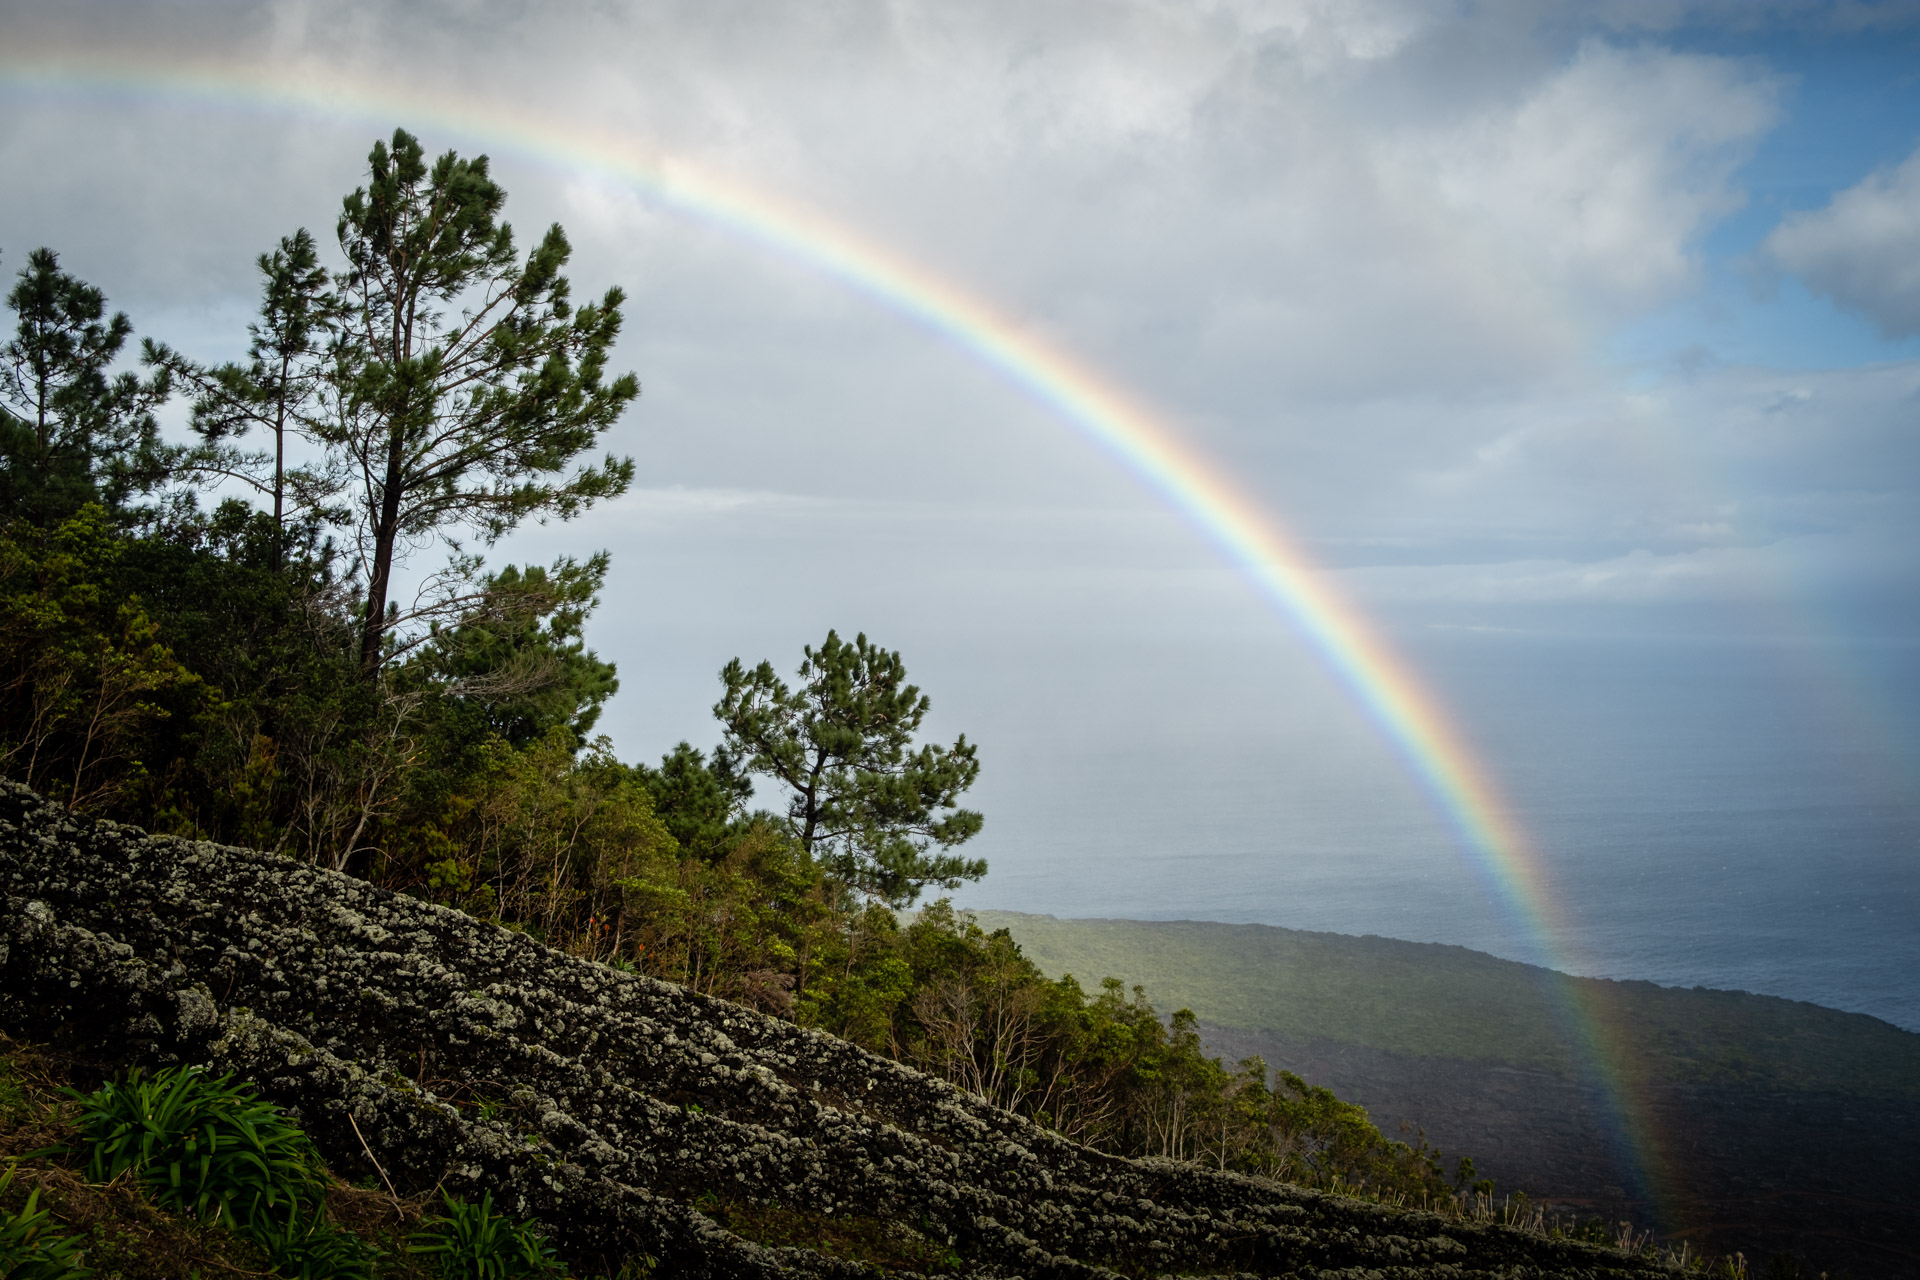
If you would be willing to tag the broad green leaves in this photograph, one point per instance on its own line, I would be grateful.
(472, 1242)
(216, 1150)
(30, 1247)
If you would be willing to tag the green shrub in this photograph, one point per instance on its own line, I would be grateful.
(201, 1146)
(216, 1150)
(472, 1242)
(308, 1247)
(28, 1251)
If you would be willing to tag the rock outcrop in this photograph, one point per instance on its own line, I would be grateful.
(610, 1106)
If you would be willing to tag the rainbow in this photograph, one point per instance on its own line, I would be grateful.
(1379, 681)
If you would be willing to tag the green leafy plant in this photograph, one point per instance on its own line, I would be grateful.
(472, 1242)
(28, 1250)
(216, 1150)
(308, 1247)
(201, 1146)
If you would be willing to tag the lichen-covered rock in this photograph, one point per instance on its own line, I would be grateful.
(458, 1054)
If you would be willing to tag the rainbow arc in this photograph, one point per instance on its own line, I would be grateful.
(1254, 540)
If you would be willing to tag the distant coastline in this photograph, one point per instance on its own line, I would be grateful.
(1787, 1125)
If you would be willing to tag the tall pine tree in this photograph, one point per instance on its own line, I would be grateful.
(464, 383)
(71, 430)
(278, 389)
(861, 796)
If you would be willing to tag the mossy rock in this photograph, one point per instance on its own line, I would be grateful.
(609, 1106)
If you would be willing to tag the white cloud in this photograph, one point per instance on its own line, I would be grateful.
(1360, 251)
(1862, 249)
(1639, 577)
(681, 502)
(1600, 179)
(1264, 201)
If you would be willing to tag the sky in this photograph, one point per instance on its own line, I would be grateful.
(1598, 324)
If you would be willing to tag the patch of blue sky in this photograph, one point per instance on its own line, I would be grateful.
(1850, 106)
(1741, 316)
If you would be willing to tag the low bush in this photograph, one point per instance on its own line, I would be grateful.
(209, 1148)
(305, 1246)
(472, 1242)
(200, 1145)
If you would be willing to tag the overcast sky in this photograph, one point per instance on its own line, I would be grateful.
(1577, 320)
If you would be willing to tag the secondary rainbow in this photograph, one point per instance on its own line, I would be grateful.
(1253, 539)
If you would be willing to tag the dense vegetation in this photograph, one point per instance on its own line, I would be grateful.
(212, 639)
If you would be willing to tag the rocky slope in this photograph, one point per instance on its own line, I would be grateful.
(609, 1106)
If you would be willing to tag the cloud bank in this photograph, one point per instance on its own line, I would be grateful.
(1367, 256)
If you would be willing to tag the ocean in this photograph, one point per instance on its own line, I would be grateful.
(1707, 813)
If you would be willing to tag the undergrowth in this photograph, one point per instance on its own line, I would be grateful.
(471, 1242)
(29, 1250)
(213, 1150)
(179, 1175)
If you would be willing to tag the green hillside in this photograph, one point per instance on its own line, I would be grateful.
(1452, 1002)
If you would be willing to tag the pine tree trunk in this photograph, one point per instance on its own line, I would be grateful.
(280, 469)
(385, 535)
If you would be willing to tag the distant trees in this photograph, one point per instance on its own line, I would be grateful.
(517, 664)
(87, 683)
(1103, 1068)
(450, 384)
(860, 796)
(232, 671)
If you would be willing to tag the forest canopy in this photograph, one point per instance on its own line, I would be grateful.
(207, 637)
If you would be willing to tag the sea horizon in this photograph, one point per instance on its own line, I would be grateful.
(1702, 814)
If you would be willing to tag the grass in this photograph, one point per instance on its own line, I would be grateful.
(199, 1145)
(212, 1150)
(122, 1233)
(31, 1248)
(1432, 1000)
